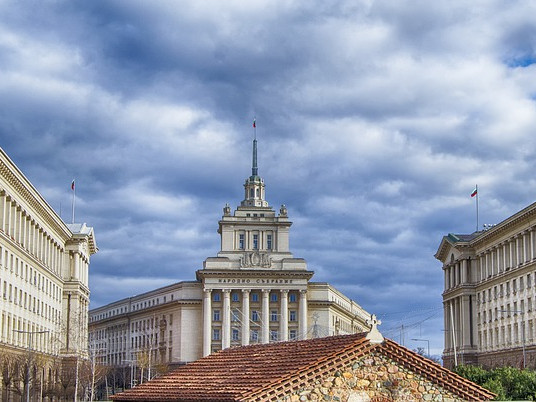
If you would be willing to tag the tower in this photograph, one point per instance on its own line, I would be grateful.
(254, 283)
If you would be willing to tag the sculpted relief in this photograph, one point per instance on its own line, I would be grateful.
(255, 259)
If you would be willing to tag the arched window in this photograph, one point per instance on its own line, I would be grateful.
(251, 192)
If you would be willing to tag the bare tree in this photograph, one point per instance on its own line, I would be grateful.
(93, 373)
(8, 368)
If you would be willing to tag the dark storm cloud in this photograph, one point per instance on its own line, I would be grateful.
(375, 120)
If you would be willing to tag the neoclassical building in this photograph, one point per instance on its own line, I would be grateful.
(44, 265)
(489, 295)
(253, 291)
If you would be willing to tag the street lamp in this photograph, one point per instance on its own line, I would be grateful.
(522, 329)
(423, 340)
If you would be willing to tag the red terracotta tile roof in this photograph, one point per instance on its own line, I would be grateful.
(259, 372)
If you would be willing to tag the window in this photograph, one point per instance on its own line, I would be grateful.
(292, 297)
(216, 297)
(216, 315)
(235, 297)
(273, 297)
(292, 334)
(241, 241)
(254, 336)
(292, 315)
(235, 335)
(254, 297)
(273, 315)
(269, 242)
(235, 314)
(215, 334)
(255, 242)
(254, 315)
(273, 336)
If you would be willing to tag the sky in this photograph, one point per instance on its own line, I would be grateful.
(375, 120)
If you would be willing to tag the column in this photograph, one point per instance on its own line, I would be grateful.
(76, 260)
(226, 322)
(464, 271)
(466, 323)
(2, 212)
(283, 328)
(511, 245)
(207, 322)
(303, 314)
(446, 325)
(518, 251)
(245, 317)
(531, 244)
(505, 251)
(525, 248)
(265, 320)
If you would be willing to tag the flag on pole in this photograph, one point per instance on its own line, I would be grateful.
(254, 123)
(475, 192)
(72, 185)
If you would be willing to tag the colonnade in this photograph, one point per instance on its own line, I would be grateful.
(245, 307)
(519, 249)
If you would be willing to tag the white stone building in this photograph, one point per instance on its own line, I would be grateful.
(490, 294)
(44, 263)
(253, 291)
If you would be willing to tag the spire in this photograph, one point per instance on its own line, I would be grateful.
(254, 186)
(254, 168)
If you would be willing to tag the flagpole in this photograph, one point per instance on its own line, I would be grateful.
(476, 207)
(73, 187)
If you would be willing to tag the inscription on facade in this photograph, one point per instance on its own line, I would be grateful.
(246, 280)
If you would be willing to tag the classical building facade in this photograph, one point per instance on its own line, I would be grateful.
(44, 266)
(253, 291)
(489, 295)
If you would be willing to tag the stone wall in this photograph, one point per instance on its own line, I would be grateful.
(373, 378)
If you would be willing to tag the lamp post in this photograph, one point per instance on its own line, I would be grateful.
(423, 340)
(30, 333)
(522, 330)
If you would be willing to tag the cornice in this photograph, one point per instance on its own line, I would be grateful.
(16, 179)
(204, 273)
(526, 215)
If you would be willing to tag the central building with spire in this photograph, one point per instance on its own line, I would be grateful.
(253, 291)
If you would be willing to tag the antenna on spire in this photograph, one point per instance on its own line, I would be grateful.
(254, 168)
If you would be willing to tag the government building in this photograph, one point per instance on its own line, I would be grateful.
(253, 291)
(44, 265)
(489, 295)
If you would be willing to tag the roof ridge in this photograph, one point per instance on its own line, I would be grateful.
(360, 338)
(439, 373)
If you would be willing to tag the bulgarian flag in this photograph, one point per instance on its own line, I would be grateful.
(475, 191)
(72, 185)
(254, 123)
